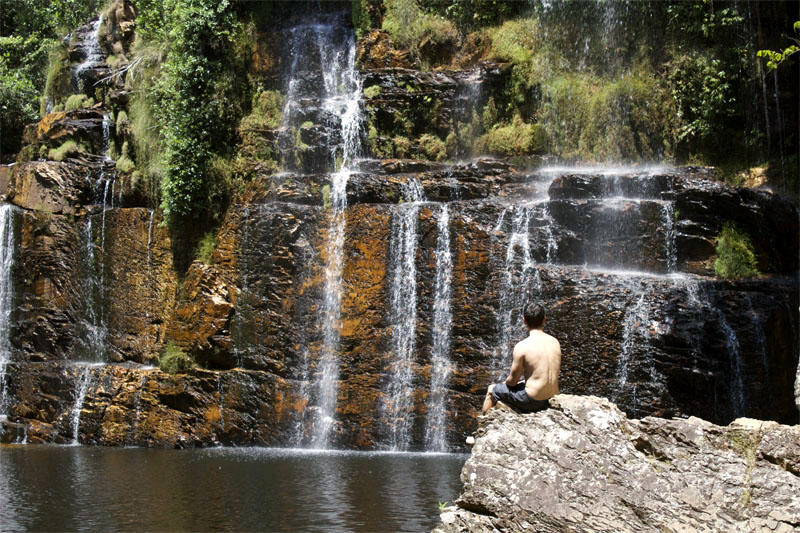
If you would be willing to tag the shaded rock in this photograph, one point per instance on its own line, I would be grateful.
(201, 322)
(59, 188)
(376, 50)
(5, 173)
(139, 405)
(583, 465)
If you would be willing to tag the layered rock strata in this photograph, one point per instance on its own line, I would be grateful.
(582, 465)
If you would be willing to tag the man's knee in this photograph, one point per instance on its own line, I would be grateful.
(491, 390)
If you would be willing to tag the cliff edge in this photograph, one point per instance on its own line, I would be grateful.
(582, 465)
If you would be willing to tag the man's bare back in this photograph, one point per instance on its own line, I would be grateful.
(541, 363)
(537, 358)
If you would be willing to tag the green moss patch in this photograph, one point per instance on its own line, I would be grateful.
(735, 256)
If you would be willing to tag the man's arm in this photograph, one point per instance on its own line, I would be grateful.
(516, 368)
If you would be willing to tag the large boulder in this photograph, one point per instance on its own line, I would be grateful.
(582, 465)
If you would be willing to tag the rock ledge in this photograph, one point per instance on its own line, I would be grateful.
(582, 465)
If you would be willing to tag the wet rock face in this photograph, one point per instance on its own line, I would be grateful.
(108, 274)
(584, 462)
(126, 405)
(657, 345)
(59, 188)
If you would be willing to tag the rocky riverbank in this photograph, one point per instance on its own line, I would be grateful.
(582, 465)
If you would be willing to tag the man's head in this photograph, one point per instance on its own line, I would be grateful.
(533, 316)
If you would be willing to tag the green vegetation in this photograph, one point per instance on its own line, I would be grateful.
(67, 149)
(204, 252)
(735, 256)
(774, 59)
(174, 360)
(30, 34)
(190, 90)
(360, 18)
(372, 91)
(124, 164)
(515, 139)
(77, 101)
(327, 202)
(433, 147)
(410, 26)
(267, 111)
(122, 123)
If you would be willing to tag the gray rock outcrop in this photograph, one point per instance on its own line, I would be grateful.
(582, 465)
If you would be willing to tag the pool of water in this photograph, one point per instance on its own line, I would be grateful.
(241, 489)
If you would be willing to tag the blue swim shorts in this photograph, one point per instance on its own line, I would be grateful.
(517, 397)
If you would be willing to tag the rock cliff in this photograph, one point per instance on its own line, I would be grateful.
(622, 257)
(582, 465)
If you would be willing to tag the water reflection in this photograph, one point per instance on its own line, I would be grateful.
(81, 488)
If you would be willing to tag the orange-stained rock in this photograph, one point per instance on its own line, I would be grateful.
(203, 315)
(53, 187)
(376, 50)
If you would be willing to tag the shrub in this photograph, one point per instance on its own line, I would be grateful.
(17, 100)
(267, 111)
(735, 256)
(433, 147)
(402, 146)
(204, 252)
(57, 81)
(372, 91)
(124, 164)
(122, 123)
(76, 101)
(409, 26)
(517, 138)
(628, 117)
(174, 360)
(66, 149)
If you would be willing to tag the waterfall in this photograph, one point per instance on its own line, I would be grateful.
(735, 362)
(150, 239)
(329, 51)
(93, 321)
(81, 388)
(90, 47)
(6, 289)
(435, 436)
(635, 326)
(399, 398)
(668, 218)
(514, 290)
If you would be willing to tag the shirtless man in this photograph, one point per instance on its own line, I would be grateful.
(538, 357)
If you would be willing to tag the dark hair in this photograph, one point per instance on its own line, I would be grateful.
(533, 315)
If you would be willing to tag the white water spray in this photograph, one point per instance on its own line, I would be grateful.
(441, 367)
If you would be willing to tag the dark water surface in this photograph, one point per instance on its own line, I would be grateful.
(61, 488)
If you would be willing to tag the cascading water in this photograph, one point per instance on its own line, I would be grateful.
(635, 326)
(326, 52)
(6, 289)
(398, 399)
(735, 361)
(668, 219)
(93, 55)
(435, 435)
(81, 389)
(520, 277)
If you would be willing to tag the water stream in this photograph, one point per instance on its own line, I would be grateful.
(399, 398)
(325, 52)
(441, 366)
(6, 293)
(93, 56)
